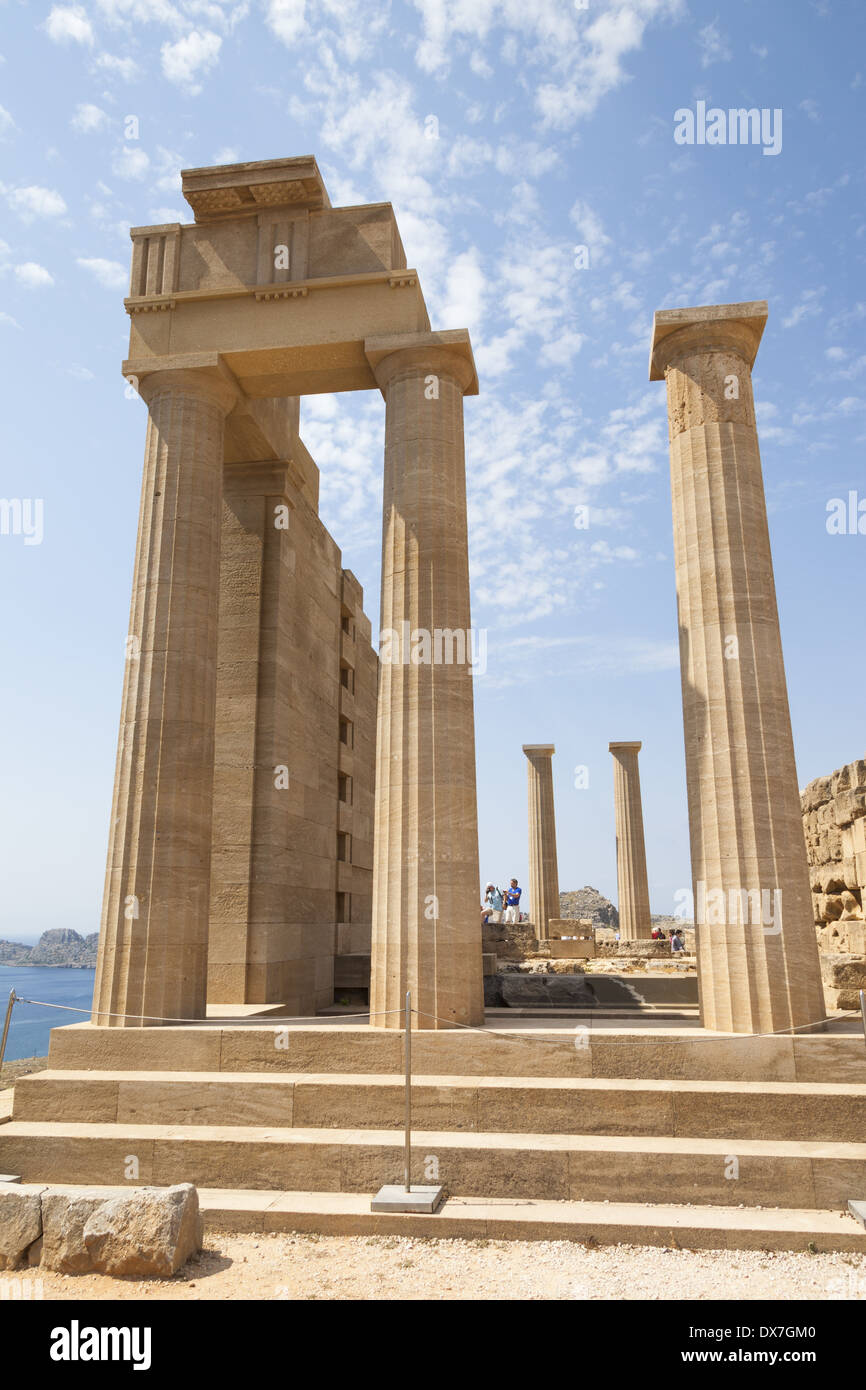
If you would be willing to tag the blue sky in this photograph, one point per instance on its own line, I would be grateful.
(553, 128)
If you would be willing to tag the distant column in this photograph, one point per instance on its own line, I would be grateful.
(758, 964)
(631, 875)
(543, 872)
(153, 942)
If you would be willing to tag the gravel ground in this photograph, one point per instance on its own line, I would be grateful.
(281, 1266)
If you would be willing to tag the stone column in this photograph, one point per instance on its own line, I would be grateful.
(426, 917)
(153, 942)
(757, 956)
(543, 873)
(631, 877)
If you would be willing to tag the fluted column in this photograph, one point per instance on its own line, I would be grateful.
(426, 921)
(153, 942)
(757, 956)
(631, 876)
(543, 873)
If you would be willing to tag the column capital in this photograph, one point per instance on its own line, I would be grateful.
(633, 747)
(539, 750)
(680, 333)
(448, 353)
(209, 380)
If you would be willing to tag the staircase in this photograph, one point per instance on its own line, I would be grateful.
(645, 1134)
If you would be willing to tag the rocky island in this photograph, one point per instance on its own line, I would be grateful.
(61, 946)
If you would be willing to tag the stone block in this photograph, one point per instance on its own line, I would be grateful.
(20, 1224)
(152, 1231)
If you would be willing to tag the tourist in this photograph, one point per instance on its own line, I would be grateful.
(493, 903)
(677, 943)
(512, 902)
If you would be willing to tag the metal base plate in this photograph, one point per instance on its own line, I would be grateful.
(394, 1197)
(857, 1210)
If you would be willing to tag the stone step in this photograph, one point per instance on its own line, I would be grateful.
(602, 1223)
(528, 1049)
(726, 1110)
(553, 1167)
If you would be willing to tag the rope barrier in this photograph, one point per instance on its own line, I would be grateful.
(507, 1035)
(258, 1019)
(724, 1037)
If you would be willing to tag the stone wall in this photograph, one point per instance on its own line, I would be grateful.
(834, 823)
(294, 758)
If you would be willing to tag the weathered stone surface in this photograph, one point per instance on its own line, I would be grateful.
(20, 1224)
(64, 1216)
(144, 1231)
(524, 989)
(149, 1231)
(745, 815)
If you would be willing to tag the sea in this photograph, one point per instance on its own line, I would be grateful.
(32, 1022)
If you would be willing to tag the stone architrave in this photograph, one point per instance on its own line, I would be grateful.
(426, 922)
(757, 956)
(631, 876)
(153, 945)
(543, 872)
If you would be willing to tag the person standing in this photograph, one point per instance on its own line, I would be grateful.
(512, 902)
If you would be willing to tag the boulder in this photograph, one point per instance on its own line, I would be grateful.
(143, 1231)
(153, 1230)
(64, 1216)
(20, 1223)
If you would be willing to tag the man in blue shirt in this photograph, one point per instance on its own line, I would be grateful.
(512, 902)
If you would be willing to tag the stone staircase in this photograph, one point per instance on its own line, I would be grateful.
(650, 1134)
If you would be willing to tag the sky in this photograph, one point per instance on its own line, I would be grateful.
(531, 153)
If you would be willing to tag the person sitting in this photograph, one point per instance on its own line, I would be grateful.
(677, 942)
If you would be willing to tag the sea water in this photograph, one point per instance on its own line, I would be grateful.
(32, 1023)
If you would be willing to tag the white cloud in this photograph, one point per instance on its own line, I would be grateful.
(124, 68)
(131, 162)
(33, 276)
(160, 215)
(69, 23)
(8, 319)
(88, 117)
(6, 121)
(110, 274)
(464, 292)
(590, 230)
(808, 308)
(286, 19)
(190, 57)
(713, 45)
(35, 201)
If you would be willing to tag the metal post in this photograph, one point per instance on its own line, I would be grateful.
(394, 1196)
(407, 1156)
(7, 1022)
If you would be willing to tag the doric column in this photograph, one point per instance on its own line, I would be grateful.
(757, 956)
(631, 877)
(153, 942)
(543, 873)
(426, 919)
